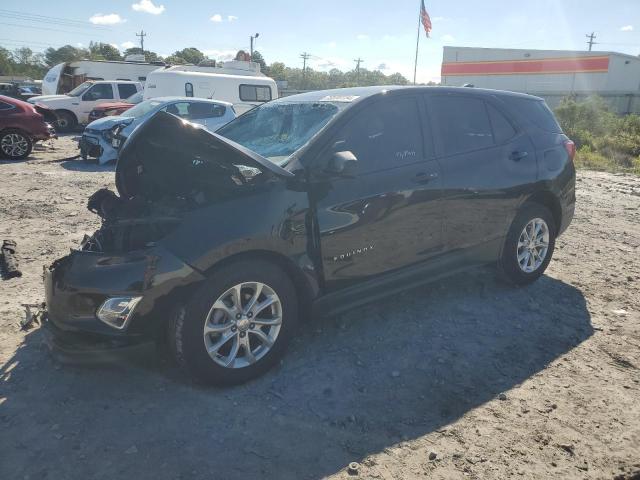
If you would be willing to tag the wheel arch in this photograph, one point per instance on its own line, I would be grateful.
(305, 290)
(65, 110)
(549, 200)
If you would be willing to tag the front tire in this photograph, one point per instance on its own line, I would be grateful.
(15, 144)
(237, 325)
(66, 121)
(529, 245)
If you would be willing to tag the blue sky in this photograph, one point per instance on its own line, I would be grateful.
(382, 32)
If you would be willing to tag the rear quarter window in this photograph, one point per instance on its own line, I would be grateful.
(537, 112)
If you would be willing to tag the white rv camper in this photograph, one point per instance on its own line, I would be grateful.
(239, 83)
(64, 77)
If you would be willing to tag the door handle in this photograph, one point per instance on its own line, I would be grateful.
(424, 177)
(517, 156)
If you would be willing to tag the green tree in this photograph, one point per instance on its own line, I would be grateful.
(148, 55)
(103, 51)
(6, 62)
(190, 55)
(175, 60)
(68, 53)
(257, 58)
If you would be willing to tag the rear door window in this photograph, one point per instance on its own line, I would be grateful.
(462, 122)
(6, 106)
(384, 135)
(180, 109)
(503, 131)
(205, 110)
(125, 90)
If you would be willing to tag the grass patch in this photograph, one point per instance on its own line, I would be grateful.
(605, 141)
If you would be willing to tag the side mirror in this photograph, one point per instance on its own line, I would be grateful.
(342, 164)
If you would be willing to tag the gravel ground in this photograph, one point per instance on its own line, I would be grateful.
(464, 378)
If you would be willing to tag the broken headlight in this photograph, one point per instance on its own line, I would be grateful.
(113, 134)
(116, 312)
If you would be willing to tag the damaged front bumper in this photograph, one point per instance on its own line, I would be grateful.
(78, 286)
(96, 146)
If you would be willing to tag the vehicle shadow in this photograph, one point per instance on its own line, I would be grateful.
(76, 164)
(350, 386)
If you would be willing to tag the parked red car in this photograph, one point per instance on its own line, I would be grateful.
(21, 125)
(114, 108)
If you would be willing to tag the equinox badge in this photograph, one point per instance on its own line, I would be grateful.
(352, 253)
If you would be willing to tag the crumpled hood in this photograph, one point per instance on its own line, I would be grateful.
(105, 123)
(166, 155)
(49, 98)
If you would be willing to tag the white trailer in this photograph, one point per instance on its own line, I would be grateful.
(64, 77)
(243, 88)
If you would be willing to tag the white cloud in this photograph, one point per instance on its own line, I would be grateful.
(79, 44)
(126, 45)
(332, 44)
(114, 45)
(447, 38)
(221, 55)
(438, 19)
(329, 63)
(232, 18)
(362, 36)
(217, 18)
(627, 28)
(147, 6)
(106, 19)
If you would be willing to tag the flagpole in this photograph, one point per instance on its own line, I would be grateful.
(415, 65)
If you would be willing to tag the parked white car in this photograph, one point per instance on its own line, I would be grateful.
(74, 107)
(102, 138)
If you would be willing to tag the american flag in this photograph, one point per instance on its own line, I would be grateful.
(425, 19)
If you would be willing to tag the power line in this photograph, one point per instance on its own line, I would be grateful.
(51, 29)
(591, 38)
(50, 20)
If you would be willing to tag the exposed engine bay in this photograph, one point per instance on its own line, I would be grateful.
(166, 169)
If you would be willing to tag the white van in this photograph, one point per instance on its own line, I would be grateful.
(243, 91)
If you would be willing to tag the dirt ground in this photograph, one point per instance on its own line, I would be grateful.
(464, 378)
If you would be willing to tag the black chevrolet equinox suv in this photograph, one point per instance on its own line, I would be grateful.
(220, 243)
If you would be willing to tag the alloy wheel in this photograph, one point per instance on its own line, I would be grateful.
(243, 324)
(14, 144)
(533, 245)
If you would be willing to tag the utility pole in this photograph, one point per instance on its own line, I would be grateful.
(305, 56)
(591, 38)
(141, 35)
(358, 61)
(252, 38)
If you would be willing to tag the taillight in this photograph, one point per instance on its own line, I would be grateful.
(570, 147)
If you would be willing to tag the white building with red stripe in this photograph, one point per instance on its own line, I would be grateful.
(552, 74)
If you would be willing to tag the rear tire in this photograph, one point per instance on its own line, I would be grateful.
(529, 245)
(15, 144)
(67, 121)
(257, 336)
